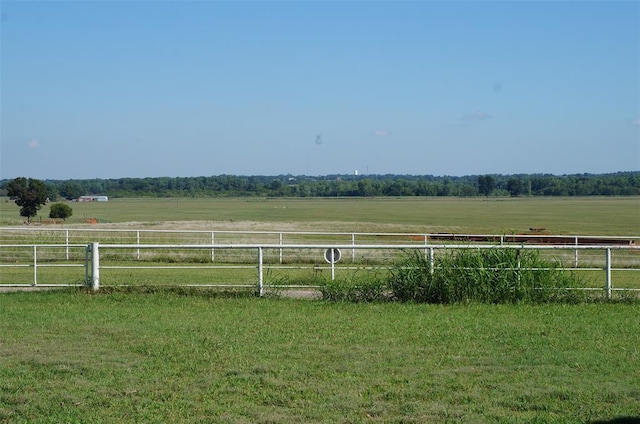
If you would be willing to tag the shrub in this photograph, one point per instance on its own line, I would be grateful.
(60, 210)
(412, 279)
(483, 275)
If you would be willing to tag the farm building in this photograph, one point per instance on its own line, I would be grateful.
(93, 199)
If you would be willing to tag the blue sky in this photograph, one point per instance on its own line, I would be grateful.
(115, 89)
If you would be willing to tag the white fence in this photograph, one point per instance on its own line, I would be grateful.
(216, 238)
(91, 264)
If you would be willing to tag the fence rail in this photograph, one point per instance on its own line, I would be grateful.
(249, 263)
(73, 236)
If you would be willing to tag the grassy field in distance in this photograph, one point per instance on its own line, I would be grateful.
(580, 215)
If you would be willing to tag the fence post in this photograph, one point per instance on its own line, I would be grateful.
(66, 241)
(280, 238)
(575, 260)
(333, 264)
(426, 242)
(608, 273)
(519, 265)
(213, 251)
(353, 247)
(138, 243)
(431, 260)
(260, 275)
(35, 266)
(87, 250)
(95, 267)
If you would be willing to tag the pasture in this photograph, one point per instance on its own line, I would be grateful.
(156, 354)
(618, 216)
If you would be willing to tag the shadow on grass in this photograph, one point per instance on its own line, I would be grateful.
(206, 292)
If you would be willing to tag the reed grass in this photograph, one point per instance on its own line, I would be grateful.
(461, 276)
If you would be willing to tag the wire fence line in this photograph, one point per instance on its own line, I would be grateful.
(260, 265)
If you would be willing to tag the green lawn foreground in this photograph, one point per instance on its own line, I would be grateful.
(71, 356)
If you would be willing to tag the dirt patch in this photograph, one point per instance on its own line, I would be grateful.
(248, 226)
(302, 293)
(11, 289)
(307, 293)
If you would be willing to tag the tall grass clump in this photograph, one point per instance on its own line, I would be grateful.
(483, 275)
(355, 288)
(412, 279)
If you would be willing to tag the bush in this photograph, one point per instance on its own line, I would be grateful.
(483, 275)
(60, 210)
(491, 275)
(412, 279)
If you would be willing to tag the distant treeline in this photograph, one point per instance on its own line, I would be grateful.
(616, 184)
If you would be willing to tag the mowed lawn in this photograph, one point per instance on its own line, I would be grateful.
(174, 357)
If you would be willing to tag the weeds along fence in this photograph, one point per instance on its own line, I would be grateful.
(261, 266)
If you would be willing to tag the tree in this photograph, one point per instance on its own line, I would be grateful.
(30, 194)
(70, 190)
(445, 187)
(515, 187)
(365, 188)
(486, 184)
(60, 210)
(52, 191)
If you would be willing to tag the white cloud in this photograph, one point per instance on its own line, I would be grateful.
(33, 144)
(382, 133)
(635, 122)
(476, 116)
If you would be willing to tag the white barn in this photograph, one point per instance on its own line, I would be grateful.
(93, 199)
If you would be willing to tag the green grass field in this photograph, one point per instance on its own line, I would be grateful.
(618, 216)
(157, 354)
(172, 357)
